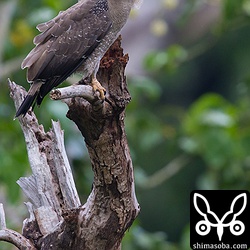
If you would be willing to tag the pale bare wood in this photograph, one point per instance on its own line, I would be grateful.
(84, 91)
(16, 239)
(2, 217)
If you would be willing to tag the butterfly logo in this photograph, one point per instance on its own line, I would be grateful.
(210, 219)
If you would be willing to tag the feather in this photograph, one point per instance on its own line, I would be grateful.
(29, 99)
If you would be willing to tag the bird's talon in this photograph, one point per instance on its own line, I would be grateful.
(98, 87)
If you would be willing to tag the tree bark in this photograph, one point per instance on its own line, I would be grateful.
(57, 218)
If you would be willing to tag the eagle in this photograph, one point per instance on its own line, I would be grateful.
(75, 40)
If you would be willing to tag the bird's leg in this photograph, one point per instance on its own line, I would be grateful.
(98, 87)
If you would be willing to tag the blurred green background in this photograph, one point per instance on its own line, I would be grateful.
(188, 123)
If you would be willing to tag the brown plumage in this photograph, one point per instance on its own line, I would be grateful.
(76, 37)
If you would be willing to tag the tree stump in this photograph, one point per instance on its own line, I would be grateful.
(57, 218)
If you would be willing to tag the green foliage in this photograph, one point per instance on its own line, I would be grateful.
(165, 61)
(213, 130)
(142, 131)
(232, 9)
(138, 239)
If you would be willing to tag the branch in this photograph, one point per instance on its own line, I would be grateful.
(11, 236)
(16, 239)
(2, 217)
(84, 91)
(165, 173)
(52, 178)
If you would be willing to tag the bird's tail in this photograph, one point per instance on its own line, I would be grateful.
(29, 99)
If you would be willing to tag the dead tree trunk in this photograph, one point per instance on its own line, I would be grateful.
(57, 218)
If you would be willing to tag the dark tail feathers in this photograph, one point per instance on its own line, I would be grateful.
(29, 99)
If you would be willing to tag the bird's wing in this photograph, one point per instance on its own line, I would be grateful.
(66, 41)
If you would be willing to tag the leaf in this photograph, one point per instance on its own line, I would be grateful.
(167, 60)
(144, 86)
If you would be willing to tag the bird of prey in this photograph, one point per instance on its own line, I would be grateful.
(75, 40)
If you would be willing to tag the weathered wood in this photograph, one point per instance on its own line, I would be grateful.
(112, 205)
(57, 220)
